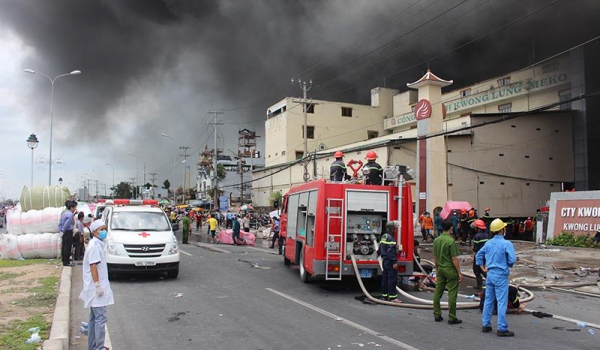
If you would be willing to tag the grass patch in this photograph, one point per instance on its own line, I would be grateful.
(14, 290)
(41, 296)
(13, 335)
(9, 275)
(27, 262)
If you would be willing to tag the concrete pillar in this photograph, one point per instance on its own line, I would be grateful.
(431, 152)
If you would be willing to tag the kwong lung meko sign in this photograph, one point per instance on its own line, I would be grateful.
(494, 95)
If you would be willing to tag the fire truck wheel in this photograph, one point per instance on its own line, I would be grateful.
(304, 275)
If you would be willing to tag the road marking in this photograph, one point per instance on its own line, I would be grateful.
(262, 250)
(344, 321)
(210, 247)
(186, 253)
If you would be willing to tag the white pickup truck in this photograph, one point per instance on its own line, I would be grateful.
(140, 240)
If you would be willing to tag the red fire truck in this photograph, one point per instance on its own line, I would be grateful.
(324, 222)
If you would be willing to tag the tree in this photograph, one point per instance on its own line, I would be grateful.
(275, 199)
(123, 190)
(148, 185)
(221, 173)
(166, 185)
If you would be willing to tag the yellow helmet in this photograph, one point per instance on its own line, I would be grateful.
(497, 225)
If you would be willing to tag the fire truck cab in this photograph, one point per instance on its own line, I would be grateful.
(323, 223)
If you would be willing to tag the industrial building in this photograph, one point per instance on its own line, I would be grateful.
(511, 160)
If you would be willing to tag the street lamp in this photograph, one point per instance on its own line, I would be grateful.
(174, 152)
(32, 142)
(60, 181)
(31, 71)
(113, 169)
(136, 171)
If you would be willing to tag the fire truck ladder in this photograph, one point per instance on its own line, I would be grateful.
(334, 242)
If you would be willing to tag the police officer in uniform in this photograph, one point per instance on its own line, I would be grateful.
(372, 170)
(337, 170)
(389, 255)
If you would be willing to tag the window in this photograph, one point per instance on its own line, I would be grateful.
(551, 67)
(310, 108)
(503, 81)
(505, 108)
(283, 153)
(466, 92)
(310, 132)
(372, 134)
(299, 155)
(564, 95)
(346, 112)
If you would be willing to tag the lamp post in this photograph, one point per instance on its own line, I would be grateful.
(113, 169)
(174, 152)
(32, 142)
(31, 71)
(136, 172)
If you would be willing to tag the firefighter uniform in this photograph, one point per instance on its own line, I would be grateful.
(337, 171)
(374, 173)
(479, 241)
(470, 221)
(389, 256)
(464, 226)
(487, 218)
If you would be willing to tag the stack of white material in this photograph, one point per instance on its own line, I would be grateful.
(32, 234)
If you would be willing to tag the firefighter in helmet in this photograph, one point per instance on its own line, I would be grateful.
(389, 256)
(337, 170)
(487, 218)
(372, 170)
(479, 241)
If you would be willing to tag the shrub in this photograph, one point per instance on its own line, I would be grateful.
(569, 239)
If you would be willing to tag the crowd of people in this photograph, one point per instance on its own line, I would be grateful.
(464, 229)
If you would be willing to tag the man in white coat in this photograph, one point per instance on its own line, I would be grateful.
(96, 293)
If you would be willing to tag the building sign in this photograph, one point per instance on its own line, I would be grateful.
(405, 119)
(505, 92)
(577, 216)
(422, 109)
(495, 95)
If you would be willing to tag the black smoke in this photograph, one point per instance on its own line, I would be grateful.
(195, 56)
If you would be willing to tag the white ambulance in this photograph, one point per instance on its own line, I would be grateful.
(140, 239)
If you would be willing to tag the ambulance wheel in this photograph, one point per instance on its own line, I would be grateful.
(173, 273)
(304, 275)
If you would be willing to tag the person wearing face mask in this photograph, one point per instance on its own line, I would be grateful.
(96, 293)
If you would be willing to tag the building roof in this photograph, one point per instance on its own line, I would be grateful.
(429, 78)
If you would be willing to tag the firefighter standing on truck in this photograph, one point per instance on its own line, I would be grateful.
(372, 170)
(389, 256)
(337, 170)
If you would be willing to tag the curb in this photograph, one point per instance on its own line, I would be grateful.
(61, 321)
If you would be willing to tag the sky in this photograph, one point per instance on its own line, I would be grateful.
(151, 67)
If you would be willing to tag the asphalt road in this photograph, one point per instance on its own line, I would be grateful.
(220, 301)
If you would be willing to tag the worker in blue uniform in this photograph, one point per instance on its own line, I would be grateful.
(496, 258)
(389, 255)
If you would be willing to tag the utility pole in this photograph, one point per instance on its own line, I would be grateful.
(246, 149)
(133, 194)
(153, 179)
(305, 90)
(215, 123)
(305, 103)
(185, 155)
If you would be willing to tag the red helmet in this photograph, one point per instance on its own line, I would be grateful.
(338, 154)
(479, 224)
(371, 155)
(463, 211)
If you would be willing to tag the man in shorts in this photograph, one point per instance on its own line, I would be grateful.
(212, 226)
